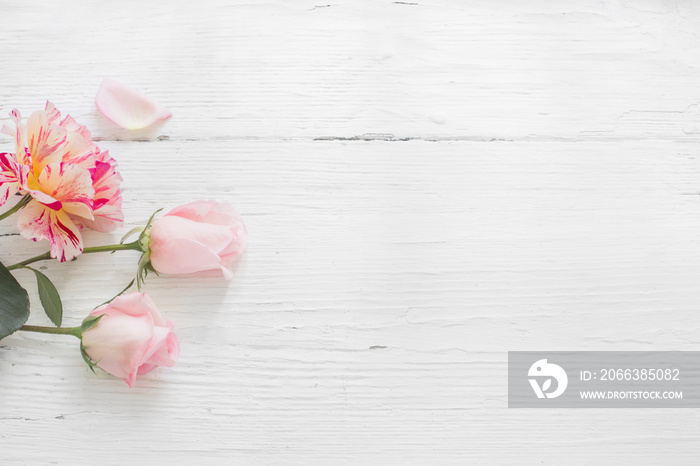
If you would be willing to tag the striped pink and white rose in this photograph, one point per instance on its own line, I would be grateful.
(72, 183)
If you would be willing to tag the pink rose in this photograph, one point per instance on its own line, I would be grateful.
(197, 237)
(131, 338)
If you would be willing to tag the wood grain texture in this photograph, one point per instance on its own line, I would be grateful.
(427, 186)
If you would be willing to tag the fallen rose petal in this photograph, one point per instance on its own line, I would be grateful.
(126, 107)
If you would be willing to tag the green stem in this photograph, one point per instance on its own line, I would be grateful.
(75, 331)
(135, 246)
(24, 201)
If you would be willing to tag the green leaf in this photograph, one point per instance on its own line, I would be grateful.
(150, 220)
(149, 267)
(91, 364)
(131, 232)
(89, 322)
(142, 270)
(50, 299)
(14, 303)
(131, 283)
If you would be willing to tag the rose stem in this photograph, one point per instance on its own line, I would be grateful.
(75, 331)
(112, 247)
(24, 201)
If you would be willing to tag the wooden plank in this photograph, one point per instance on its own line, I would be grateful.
(438, 69)
(371, 317)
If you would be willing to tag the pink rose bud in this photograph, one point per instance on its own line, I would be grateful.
(131, 338)
(197, 237)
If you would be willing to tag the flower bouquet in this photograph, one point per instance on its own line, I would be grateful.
(59, 182)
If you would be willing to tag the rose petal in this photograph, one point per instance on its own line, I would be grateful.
(218, 213)
(134, 304)
(236, 247)
(168, 352)
(157, 341)
(126, 107)
(181, 256)
(114, 344)
(170, 227)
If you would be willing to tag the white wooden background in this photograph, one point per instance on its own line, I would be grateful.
(427, 185)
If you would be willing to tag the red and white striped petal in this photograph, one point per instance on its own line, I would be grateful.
(70, 185)
(71, 125)
(37, 221)
(44, 141)
(78, 148)
(107, 217)
(52, 113)
(20, 134)
(106, 181)
(7, 190)
(107, 202)
(13, 176)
